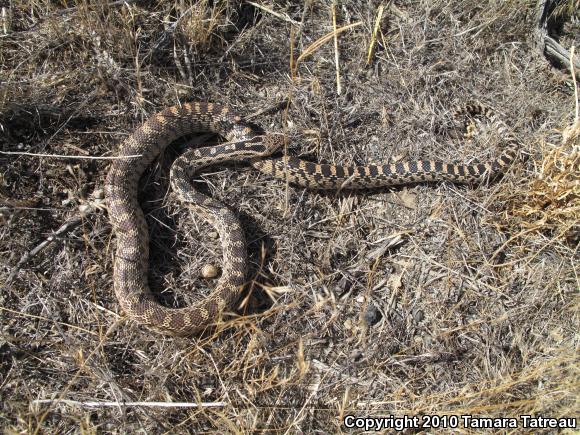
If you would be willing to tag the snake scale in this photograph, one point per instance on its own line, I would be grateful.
(131, 262)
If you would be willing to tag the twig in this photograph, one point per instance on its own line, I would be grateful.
(276, 14)
(6, 19)
(575, 84)
(372, 45)
(272, 108)
(548, 45)
(398, 12)
(103, 404)
(573, 131)
(319, 42)
(336, 59)
(471, 29)
(65, 228)
(556, 51)
(63, 156)
(74, 113)
(46, 319)
(111, 4)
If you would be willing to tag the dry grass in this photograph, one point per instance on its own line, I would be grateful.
(549, 203)
(429, 299)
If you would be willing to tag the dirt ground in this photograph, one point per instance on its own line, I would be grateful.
(431, 299)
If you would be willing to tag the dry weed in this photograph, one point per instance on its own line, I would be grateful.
(429, 299)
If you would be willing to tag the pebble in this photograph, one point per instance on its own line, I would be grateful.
(418, 315)
(372, 315)
(85, 209)
(99, 194)
(209, 271)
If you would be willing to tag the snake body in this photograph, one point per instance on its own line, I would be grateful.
(244, 143)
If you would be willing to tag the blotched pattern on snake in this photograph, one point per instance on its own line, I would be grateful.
(244, 143)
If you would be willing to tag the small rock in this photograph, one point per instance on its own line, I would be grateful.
(344, 285)
(348, 324)
(418, 315)
(209, 271)
(372, 315)
(213, 235)
(99, 194)
(85, 209)
(356, 355)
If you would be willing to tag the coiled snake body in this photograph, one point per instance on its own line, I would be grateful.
(244, 143)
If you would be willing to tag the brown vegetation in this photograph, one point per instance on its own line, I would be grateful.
(428, 299)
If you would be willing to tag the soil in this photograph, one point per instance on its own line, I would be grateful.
(429, 299)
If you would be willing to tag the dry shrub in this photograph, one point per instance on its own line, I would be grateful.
(549, 202)
(198, 22)
(387, 303)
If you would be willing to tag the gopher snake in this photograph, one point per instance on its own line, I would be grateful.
(244, 143)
